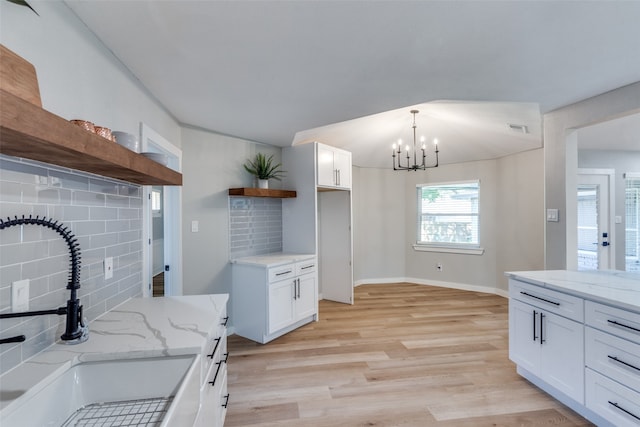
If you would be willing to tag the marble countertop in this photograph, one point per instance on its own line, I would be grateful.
(273, 259)
(618, 288)
(140, 327)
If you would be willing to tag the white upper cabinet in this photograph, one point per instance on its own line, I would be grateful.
(334, 167)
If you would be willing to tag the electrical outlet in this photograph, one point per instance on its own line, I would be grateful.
(108, 268)
(20, 295)
(439, 266)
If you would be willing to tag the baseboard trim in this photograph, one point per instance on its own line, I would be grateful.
(452, 285)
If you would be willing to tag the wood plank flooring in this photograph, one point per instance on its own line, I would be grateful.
(402, 355)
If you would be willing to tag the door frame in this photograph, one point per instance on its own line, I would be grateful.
(172, 211)
(572, 220)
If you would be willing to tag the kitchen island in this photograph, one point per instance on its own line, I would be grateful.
(140, 328)
(576, 335)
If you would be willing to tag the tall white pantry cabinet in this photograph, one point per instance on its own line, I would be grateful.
(319, 219)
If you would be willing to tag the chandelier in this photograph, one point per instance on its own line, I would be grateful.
(415, 166)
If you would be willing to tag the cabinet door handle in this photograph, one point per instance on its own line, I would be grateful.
(623, 362)
(307, 266)
(282, 273)
(226, 400)
(295, 293)
(215, 348)
(298, 288)
(338, 173)
(226, 320)
(534, 325)
(615, 404)
(542, 340)
(215, 377)
(541, 299)
(623, 325)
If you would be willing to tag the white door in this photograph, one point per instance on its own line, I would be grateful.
(171, 199)
(335, 273)
(594, 234)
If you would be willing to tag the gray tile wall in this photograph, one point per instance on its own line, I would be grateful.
(106, 217)
(255, 226)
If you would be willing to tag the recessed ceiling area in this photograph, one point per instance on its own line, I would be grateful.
(348, 72)
(465, 131)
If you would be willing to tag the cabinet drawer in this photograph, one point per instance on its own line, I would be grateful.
(305, 267)
(552, 301)
(612, 401)
(614, 357)
(623, 323)
(282, 272)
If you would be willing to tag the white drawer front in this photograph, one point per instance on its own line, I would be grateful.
(282, 272)
(612, 401)
(614, 357)
(555, 302)
(305, 267)
(623, 323)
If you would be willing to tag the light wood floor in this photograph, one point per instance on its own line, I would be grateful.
(402, 355)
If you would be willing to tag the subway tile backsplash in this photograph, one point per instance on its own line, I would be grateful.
(255, 226)
(106, 217)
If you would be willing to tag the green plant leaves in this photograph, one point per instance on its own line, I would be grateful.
(263, 168)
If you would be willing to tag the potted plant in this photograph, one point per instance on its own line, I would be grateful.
(263, 169)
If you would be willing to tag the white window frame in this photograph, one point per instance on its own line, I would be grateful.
(460, 248)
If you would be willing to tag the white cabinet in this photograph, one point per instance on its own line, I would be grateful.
(613, 363)
(545, 343)
(333, 167)
(271, 301)
(213, 378)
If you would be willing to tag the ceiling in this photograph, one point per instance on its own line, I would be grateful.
(346, 73)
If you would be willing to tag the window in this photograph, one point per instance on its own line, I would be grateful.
(448, 215)
(632, 222)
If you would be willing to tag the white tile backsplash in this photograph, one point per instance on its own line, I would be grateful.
(106, 217)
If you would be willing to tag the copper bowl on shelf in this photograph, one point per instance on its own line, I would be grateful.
(104, 132)
(84, 124)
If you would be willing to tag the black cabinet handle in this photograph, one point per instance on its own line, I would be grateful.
(541, 299)
(298, 288)
(542, 340)
(18, 338)
(215, 377)
(215, 348)
(623, 362)
(307, 266)
(283, 273)
(226, 320)
(534, 325)
(615, 404)
(226, 400)
(622, 325)
(295, 293)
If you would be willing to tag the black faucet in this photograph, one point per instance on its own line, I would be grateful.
(75, 330)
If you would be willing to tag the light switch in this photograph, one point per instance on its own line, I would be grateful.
(195, 226)
(618, 219)
(552, 215)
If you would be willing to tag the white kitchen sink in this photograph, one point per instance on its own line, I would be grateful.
(172, 381)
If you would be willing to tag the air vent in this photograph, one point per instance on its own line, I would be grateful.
(518, 128)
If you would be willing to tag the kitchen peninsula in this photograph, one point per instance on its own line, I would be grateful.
(576, 335)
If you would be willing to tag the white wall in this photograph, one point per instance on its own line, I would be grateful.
(78, 77)
(560, 158)
(212, 165)
(511, 224)
(379, 206)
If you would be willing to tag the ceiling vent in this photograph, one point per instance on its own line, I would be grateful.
(518, 128)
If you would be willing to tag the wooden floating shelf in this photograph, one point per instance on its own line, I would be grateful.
(262, 192)
(29, 131)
